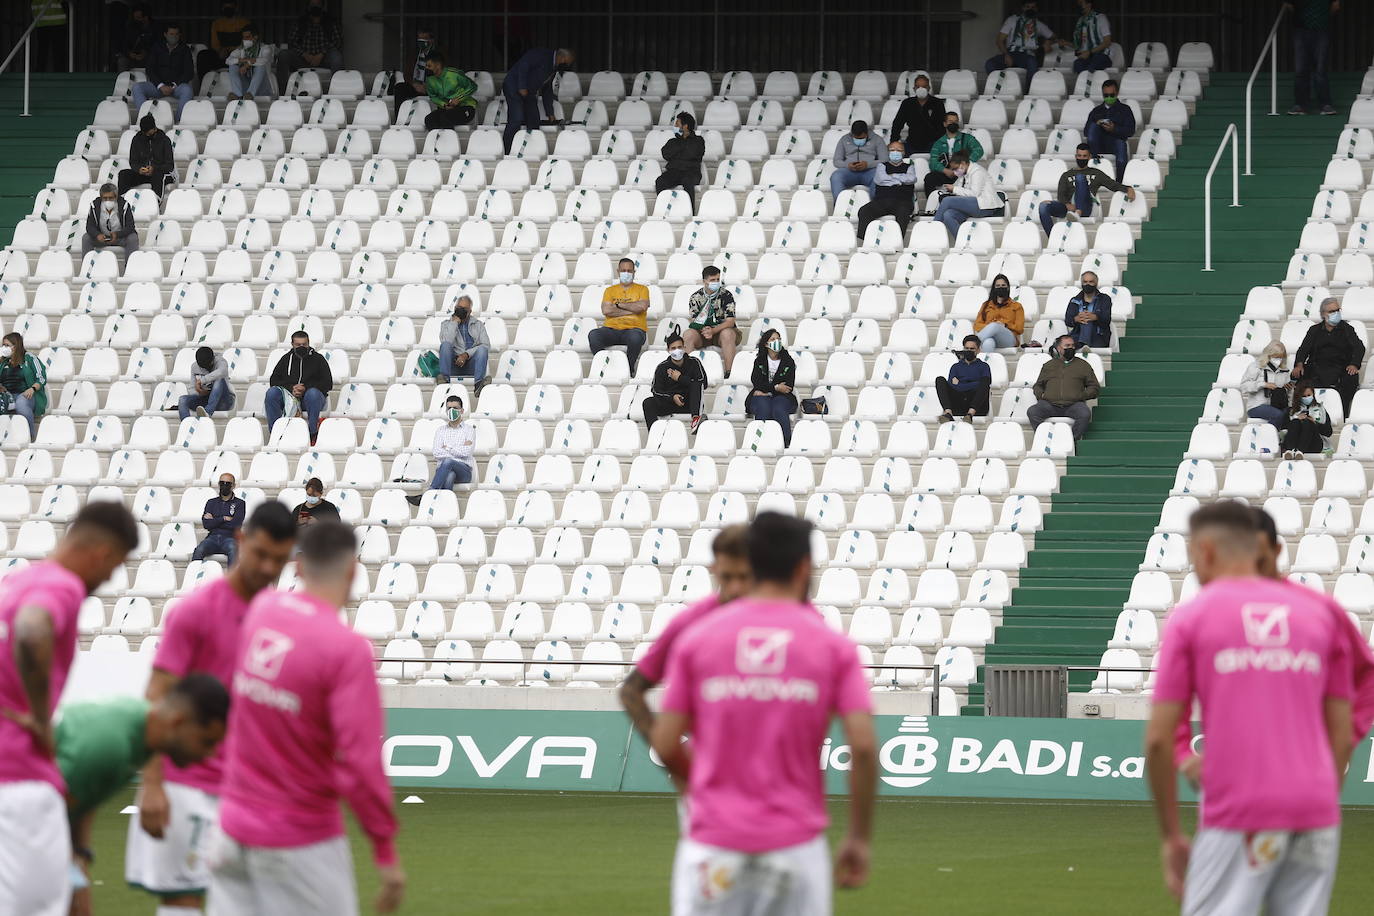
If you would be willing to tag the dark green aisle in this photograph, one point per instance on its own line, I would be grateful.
(1094, 539)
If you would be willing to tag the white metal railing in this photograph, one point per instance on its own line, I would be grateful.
(25, 40)
(1229, 136)
(1271, 50)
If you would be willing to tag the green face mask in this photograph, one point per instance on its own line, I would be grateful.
(1109, 100)
(454, 414)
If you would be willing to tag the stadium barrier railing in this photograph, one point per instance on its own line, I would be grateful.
(1229, 136)
(1271, 49)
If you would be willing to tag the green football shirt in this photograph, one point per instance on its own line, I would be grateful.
(100, 746)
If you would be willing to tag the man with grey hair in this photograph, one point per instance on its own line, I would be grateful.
(110, 223)
(464, 346)
(922, 117)
(1330, 354)
(528, 82)
(1064, 387)
(894, 190)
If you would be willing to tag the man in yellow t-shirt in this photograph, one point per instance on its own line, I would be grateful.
(624, 304)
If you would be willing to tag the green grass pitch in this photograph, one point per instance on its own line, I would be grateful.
(508, 854)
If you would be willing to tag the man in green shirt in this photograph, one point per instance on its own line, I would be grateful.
(451, 93)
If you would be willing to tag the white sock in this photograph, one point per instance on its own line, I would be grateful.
(179, 911)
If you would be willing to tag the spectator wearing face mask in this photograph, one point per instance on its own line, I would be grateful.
(1266, 384)
(150, 160)
(1077, 191)
(464, 346)
(300, 382)
(452, 93)
(171, 72)
(856, 160)
(1092, 36)
(1089, 315)
(110, 223)
(413, 86)
(315, 508)
(942, 150)
(1001, 321)
(682, 155)
(226, 34)
(250, 66)
(454, 444)
(894, 191)
(315, 41)
(969, 196)
(922, 116)
(1307, 426)
(1331, 354)
(528, 82)
(1063, 388)
(223, 517)
(24, 381)
(967, 390)
(774, 378)
(1109, 126)
(134, 38)
(678, 386)
(713, 317)
(210, 382)
(1022, 37)
(624, 305)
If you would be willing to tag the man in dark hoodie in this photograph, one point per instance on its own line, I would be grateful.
(110, 223)
(679, 383)
(150, 159)
(171, 71)
(682, 156)
(302, 381)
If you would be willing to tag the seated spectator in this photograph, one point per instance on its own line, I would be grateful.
(315, 41)
(527, 83)
(150, 160)
(682, 155)
(1307, 426)
(413, 86)
(967, 391)
(1077, 191)
(171, 72)
(970, 195)
(1001, 321)
(1065, 385)
(250, 67)
(24, 380)
(464, 346)
(315, 508)
(1020, 39)
(894, 191)
(774, 378)
(300, 381)
(922, 116)
(226, 35)
(452, 93)
(110, 223)
(1331, 354)
(133, 39)
(624, 305)
(1109, 126)
(1266, 385)
(856, 161)
(210, 382)
(942, 150)
(713, 318)
(454, 443)
(1088, 315)
(1092, 36)
(678, 387)
(222, 519)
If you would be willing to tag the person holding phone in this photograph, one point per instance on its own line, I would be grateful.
(1308, 424)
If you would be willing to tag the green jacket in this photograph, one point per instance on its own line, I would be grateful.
(35, 374)
(963, 143)
(449, 85)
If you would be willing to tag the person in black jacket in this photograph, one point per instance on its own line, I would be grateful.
(150, 159)
(171, 71)
(315, 508)
(110, 223)
(302, 375)
(1330, 354)
(133, 37)
(1307, 425)
(682, 157)
(923, 117)
(679, 383)
(529, 81)
(774, 378)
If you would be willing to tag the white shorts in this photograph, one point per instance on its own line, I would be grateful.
(1235, 873)
(314, 880)
(35, 850)
(175, 864)
(710, 881)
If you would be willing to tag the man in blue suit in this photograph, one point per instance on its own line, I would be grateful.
(530, 79)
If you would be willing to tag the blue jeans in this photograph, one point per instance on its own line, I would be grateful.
(995, 335)
(1023, 59)
(145, 91)
(1093, 62)
(775, 407)
(1052, 210)
(522, 111)
(1269, 414)
(1103, 143)
(24, 407)
(255, 84)
(449, 473)
(1311, 59)
(476, 367)
(953, 211)
(844, 178)
(219, 398)
(632, 339)
(217, 542)
(312, 404)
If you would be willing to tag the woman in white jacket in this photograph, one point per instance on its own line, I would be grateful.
(1265, 385)
(971, 194)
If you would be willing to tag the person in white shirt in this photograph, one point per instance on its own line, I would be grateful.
(1266, 385)
(250, 66)
(1020, 39)
(971, 194)
(1092, 36)
(454, 443)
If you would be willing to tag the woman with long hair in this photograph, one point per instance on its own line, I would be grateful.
(1308, 423)
(773, 378)
(23, 380)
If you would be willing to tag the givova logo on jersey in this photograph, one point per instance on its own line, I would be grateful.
(1267, 634)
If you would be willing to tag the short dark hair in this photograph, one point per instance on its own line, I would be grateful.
(1106, 83)
(314, 483)
(273, 519)
(424, 27)
(250, 27)
(950, 114)
(778, 544)
(974, 338)
(110, 520)
(453, 397)
(300, 333)
(710, 270)
(204, 695)
(328, 544)
(1084, 148)
(686, 118)
(437, 56)
(732, 541)
(1232, 515)
(168, 26)
(859, 128)
(960, 156)
(630, 261)
(1264, 524)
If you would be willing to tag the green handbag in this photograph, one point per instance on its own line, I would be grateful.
(428, 364)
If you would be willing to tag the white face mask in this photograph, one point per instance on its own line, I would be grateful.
(108, 205)
(675, 354)
(312, 500)
(626, 277)
(922, 92)
(6, 352)
(713, 286)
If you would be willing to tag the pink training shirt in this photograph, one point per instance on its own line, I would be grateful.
(760, 681)
(1262, 657)
(60, 592)
(202, 634)
(305, 731)
(654, 664)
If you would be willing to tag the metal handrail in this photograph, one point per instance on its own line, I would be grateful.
(1269, 49)
(1229, 135)
(1107, 670)
(24, 40)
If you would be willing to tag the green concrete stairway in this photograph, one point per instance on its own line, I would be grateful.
(1080, 572)
(60, 105)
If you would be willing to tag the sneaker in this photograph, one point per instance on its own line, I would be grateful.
(441, 379)
(232, 98)
(479, 385)
(200, 412)
(1328, 110)
(414, 500)
(696, 422)
(1297, 110)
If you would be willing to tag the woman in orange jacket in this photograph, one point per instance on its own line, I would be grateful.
(1001, 319)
